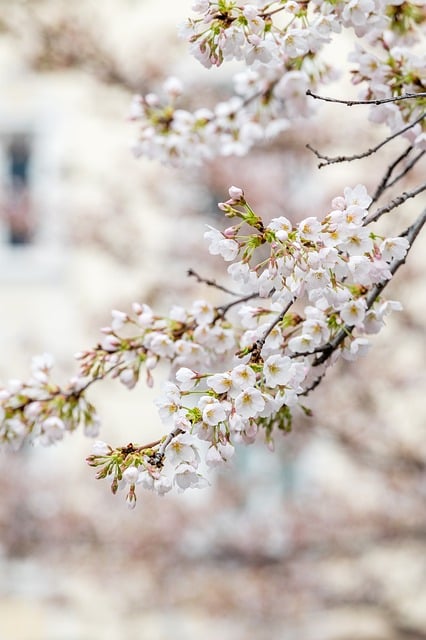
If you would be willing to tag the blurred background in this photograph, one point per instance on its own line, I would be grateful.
(325, 538)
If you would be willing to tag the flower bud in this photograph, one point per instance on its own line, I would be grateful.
(131, 475)
(101, 448)
(230, 232)
(236, 193)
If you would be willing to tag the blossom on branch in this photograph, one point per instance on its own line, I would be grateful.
(303, 295)
(280, 45)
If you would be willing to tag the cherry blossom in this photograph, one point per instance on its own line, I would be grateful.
(303, 295)
(280, 43)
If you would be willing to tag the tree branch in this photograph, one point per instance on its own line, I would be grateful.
(396, 202)
(408, 168)
(358, 156)
(384, 182)
(223, 309)
(313, 385)
(351, 103)
(258, 345)
(210, 283)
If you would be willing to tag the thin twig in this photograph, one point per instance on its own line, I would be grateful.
(223, 309)
(261, 342)
(396, 202)
(378, 101)
(358, 156)
(150, 445)
(411, 234)
(313, 385)
(266, 14)
(384, 182)
(210, 283)
(409, 166)
(258, 345)
(92, 381)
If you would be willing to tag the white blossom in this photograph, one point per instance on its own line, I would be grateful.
(249, 402)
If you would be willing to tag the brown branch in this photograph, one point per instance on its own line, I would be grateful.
(223, 309)
(384, 182)
(313, 385)
(258, 345)
(408, 168)
(210, 283)
(268, 14)
(351, 103)
(358, 156)
(78, 392)
(150, 445)
(261, 342)
(396, 202)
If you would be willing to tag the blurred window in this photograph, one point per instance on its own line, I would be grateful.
(17, 208)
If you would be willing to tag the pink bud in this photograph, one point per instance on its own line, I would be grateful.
(236, 193)
(230, 232)
(106, 330)
(110, 343)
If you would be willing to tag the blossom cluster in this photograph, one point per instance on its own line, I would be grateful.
(280, 43)
(396, 72)
(194, 337)
(263, 106)
(41, 412)
(302, 295)
(307, 294)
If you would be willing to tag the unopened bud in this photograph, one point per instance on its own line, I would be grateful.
(236, 193)
(230, 232)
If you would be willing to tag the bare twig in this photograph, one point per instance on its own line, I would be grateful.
(223, 309)
(210, 283)
(408, 168)
(91, 381)
(358, 156)
(149, 445)
(396, 202)
(378, 101)
(268, 14)
(157, 456)
(313, 385)
(384, 182)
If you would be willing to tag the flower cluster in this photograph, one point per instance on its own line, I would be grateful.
(397, 72)
(307, 294)
(193, 337)
(234, 377)
(39, 411)
(302, 295)
(263, 106)
(280, 44)
(228, 30)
